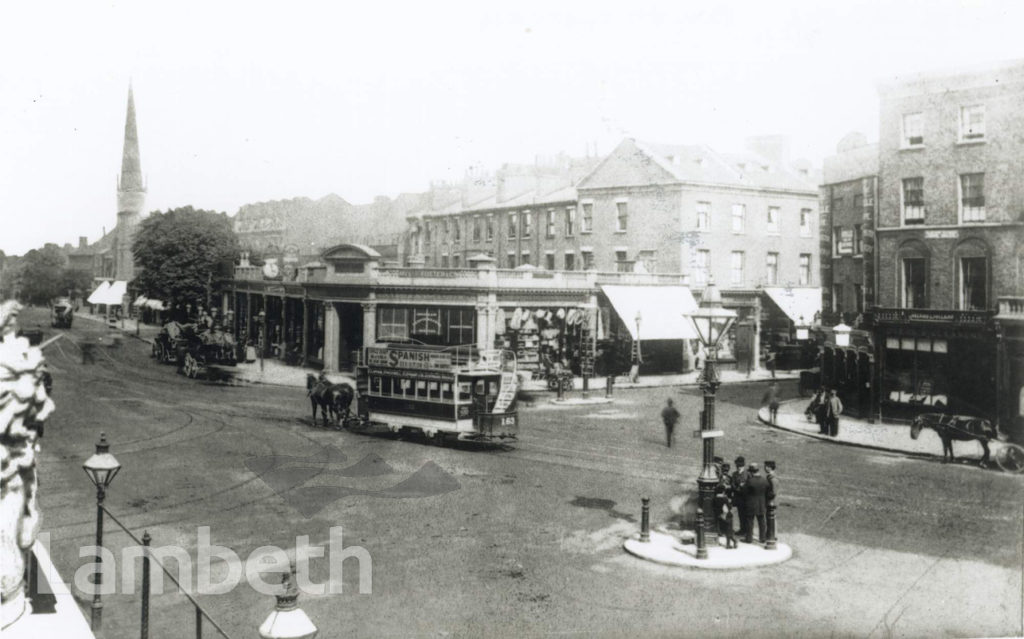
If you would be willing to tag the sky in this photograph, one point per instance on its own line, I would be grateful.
(241, 102)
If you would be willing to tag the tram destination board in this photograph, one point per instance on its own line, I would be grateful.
(407, 359)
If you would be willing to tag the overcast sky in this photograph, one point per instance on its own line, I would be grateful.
(244, 102)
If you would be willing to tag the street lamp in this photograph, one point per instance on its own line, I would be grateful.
(287, 620)
(802, 332)
(711, 321)
(263, 336)
(101, 468)
(842, 332)
(634, 368)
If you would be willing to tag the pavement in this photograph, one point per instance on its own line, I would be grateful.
(666, 548)
(879, 436)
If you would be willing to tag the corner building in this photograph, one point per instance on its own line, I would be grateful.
(950, 245)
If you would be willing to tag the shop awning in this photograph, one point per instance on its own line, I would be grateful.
(140, 301)
(799, 304)
(97, 296)
(662, 310)
(110, 293)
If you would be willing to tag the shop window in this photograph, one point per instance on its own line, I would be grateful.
(375, 385)
(913, 283)
(973, 283)
(426, 321)
(916, 371)
(392, 323)
(461, 326)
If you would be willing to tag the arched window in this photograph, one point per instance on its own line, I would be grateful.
(912, 275)
(971, 273)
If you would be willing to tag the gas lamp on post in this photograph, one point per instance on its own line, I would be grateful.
(101, 468)
(842, 333)
(711, 322)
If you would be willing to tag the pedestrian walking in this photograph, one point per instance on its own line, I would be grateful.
(771, 400)
(833, 409)
(739, 485)
(755, 504)
(670, 417)
(769, 360)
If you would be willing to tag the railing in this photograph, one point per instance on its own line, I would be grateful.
(200, 613)
(1011, 308)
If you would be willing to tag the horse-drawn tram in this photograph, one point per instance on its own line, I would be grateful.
(444, 392)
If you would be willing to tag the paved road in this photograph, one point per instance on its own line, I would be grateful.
(524, 540)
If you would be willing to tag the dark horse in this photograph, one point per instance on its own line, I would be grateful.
(333, 398)
(955, 427)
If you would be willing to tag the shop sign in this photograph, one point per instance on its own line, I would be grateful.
(410, 359)
(942, 234)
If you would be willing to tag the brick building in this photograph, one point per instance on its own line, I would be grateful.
(950, 244)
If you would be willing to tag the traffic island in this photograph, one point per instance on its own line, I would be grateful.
(670, 548)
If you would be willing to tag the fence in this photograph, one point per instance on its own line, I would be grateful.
(200, 613)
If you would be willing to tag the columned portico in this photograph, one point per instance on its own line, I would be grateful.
(369, 323)
(332, 332)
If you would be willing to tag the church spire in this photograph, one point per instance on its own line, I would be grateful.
(131, 167)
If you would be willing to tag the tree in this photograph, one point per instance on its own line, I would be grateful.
(41, 274)
(75, 284)
(184, 256)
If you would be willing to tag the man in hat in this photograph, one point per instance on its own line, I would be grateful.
(755, 498)
(670, 417)
(833, 409)
(739, 485)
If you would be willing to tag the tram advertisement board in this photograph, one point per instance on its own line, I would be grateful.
(407, 359)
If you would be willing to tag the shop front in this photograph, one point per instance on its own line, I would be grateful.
(650, 322)
(937, 361)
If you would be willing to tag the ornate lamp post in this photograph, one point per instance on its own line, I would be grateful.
(711, 321)
(802, 330)
(101, 468)
(634, 366)
(287, 620)
(842, 332)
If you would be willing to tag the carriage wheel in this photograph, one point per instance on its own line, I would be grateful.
(191, 366)
(1010, 458)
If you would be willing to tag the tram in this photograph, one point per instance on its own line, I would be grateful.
(447, 393)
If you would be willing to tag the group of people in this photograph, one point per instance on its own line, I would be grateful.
(749, 492)
(825, 408)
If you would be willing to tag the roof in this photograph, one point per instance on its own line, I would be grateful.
(852, 164)
(635, 163)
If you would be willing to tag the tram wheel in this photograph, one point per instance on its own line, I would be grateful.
(1010, 458)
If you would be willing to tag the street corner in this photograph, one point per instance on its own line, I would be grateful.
(668, 550)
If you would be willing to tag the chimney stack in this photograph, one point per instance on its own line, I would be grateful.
(83, 241)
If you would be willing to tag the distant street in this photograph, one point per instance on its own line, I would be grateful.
(523, 540)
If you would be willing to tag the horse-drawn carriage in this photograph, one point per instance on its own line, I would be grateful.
(193, 348)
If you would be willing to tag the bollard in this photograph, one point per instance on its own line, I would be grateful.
(608, 382)
(645, 519)
(560, 388)
(772, 542)
(145, 585)
(702, 549)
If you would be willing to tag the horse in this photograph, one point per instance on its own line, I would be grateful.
(333, 398)
(955, 427)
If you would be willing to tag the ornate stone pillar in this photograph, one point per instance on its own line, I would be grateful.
(369, 323)
(332, 331)
(24, 405)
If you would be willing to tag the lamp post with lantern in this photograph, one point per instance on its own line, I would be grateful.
(101, 469)
(711, 321)
(636, 356)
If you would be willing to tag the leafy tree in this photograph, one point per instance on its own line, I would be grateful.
(75, 283)
(184, 256)
(41, 274)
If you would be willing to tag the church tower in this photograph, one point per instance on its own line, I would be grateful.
(131, 197)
